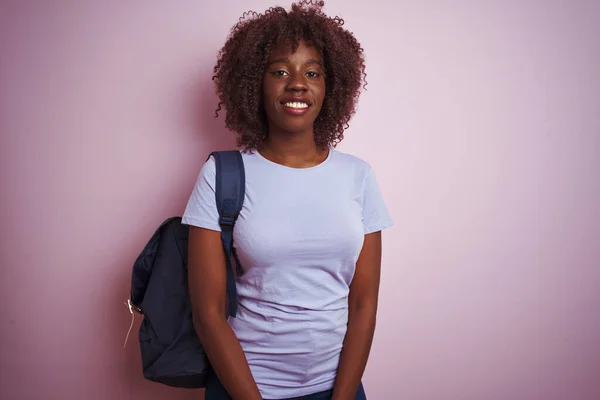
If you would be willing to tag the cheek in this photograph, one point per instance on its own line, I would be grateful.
(270, 95)
(267, 89)
(319, 93)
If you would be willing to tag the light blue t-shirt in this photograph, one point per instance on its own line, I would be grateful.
(298, 238)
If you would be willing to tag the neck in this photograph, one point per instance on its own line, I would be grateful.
(296, 151)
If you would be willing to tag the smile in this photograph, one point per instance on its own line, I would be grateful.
(295, 108)
(296, 105)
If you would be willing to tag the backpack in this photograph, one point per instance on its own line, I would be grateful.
(171, 351)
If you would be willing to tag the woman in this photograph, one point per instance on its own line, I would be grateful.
(309, 234)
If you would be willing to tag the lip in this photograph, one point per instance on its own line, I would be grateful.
(295, 111)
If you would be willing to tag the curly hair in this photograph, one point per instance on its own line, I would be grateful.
(239, 71)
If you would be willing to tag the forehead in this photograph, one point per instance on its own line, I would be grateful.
(303, 51)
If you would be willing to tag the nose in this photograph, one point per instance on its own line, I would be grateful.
(297, 82)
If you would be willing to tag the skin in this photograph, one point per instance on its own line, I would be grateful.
(207, 280)
(291, 143)
(362, 311)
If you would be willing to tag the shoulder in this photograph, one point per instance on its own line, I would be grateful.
(209, 168)
(208, 171)
(349, 158)
(351, 163)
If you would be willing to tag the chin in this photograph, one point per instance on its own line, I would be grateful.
(295, 129)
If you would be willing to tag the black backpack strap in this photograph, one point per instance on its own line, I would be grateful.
(229, 191)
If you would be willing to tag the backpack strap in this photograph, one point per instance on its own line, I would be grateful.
(229, 192)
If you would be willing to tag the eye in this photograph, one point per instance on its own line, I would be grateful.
(279, 72)
(313, 74)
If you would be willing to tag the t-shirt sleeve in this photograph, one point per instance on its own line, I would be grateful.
(375, 213)
(201, 209)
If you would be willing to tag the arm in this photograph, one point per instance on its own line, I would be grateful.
(362, 310)
(207, 276)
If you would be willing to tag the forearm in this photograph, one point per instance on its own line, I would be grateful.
(355, 351)
(227, 358)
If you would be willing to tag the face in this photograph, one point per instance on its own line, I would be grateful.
(294, 89)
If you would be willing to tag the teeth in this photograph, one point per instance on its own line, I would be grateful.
(296, 105)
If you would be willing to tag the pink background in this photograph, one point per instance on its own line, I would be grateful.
(482, 120)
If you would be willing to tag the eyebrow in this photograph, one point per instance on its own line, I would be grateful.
(287, 60)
